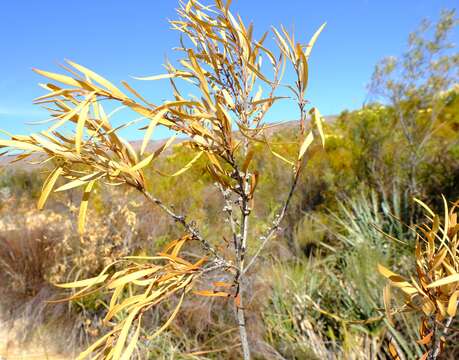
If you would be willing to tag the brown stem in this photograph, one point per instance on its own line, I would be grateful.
(276, 223)
(242, 327)
(245, 213)
(189, 227)
(436, 348)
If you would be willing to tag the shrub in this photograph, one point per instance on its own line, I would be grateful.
(223, 62)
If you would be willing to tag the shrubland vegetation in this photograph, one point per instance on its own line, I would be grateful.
(315, 291)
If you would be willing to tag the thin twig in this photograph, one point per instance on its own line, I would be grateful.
(276, 223)
(189, 227)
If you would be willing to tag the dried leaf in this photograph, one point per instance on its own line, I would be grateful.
(96, 77)
(445, 281)
(80, 127)
(188, 165)
(313, 40)
(48, 187)
(84, 283)
(84, 206)
(305, 145)
(151, 127)
(452, 304)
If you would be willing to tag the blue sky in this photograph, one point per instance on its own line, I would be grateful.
(119, 39)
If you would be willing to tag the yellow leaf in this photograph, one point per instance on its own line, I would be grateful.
(228, 99)
(48, 186)
(393, 352)
(130, 152)
(142, 163)
(80, 127)
(132, 276)
(84, 206)
(385, 271)
(163, 147)
(118, 308)
(247, 160)
(151, 127)
(69, 114)
(155, 77)
(305, 69)
(211, 293)
(84, 283)
(452, 304)
(59, 77)
(445, 281)
(313, 40)
(124, 333)
(169, 321)
(20, 145)
(80, 181)
(96, 77)
(397, 281)
(281, 157)
(258, 73)
(283, 44)
(188, 6)
(94, 346)
(189, 165)
(305, 145)
(132, 343)
(257, 95)
(222, 284)
(425, 206)
(438, 260)
(318, 121)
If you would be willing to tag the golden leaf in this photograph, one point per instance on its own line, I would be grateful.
(445, 281)
(151, 127)
(305, 145)
(48, 186)
(188, 165)
(96, 77)
(80, 127)
(87, 283)
(452, 304)
(313, 40)
(84, 206)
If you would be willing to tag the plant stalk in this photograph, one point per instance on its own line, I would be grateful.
(242, 328)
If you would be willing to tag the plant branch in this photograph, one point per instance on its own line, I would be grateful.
(276, 223)
(189, 227)
(228, 209)
(436, 349)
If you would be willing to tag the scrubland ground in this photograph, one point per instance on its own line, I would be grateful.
(317, 294)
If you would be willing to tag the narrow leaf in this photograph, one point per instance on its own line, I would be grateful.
(96, 77)
(305, 145)
(151, 127)
(48, 186)
(313, 40)
(84, 283)
(80, 127)
(84, 206)
(189, 165)
(445, 281)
